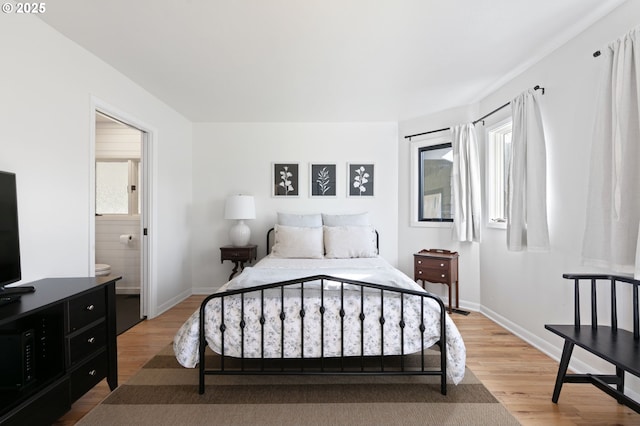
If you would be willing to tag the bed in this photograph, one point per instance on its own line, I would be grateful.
(322, 302)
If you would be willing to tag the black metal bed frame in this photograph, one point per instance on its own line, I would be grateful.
(325, 368)
(327, 365)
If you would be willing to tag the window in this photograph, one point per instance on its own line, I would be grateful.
(498, 156)
(435, 196)
(431, 185)
(117, 184)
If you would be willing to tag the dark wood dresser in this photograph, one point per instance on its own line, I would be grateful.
(437, 266)
(57, 343)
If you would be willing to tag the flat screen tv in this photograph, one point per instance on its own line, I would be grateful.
(10, 270)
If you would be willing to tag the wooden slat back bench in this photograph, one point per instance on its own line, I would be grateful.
(611, 343)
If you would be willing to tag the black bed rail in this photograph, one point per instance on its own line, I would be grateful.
(328, 365)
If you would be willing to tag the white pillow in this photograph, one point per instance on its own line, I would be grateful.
(359, 219)
(298, 242)
(341, 242)
(291, 219)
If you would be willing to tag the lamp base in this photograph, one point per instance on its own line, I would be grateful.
(240, 234)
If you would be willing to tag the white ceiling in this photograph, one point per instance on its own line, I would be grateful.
(320, 60)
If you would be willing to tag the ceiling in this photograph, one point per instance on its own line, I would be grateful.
(320, 60)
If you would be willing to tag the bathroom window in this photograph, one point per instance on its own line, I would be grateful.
(117, 183)
(498, 156)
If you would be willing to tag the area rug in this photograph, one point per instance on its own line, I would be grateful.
(164, 393)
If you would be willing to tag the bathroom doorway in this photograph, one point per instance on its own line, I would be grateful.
(120, 184)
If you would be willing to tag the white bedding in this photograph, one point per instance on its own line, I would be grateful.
(268, 270)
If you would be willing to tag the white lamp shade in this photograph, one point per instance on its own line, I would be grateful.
(240, 207)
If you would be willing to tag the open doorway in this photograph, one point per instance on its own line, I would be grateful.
(119, 203)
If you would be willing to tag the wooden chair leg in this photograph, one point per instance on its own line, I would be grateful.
(562, 369)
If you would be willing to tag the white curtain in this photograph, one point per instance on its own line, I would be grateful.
(466, 183)
(613, 205)
(527, 179)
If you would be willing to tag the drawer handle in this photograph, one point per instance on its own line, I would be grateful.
(419, 261)
(442, 264)
(90, 307)
(419, 272)
(91, 339)
(93, 372)
(442, 275)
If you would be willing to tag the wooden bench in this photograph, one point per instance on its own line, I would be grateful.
(609, 342)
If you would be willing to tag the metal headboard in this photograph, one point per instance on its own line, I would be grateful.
(272, 230)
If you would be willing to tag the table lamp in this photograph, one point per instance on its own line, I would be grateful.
(240, 207)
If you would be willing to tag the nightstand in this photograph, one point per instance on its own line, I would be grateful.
(437, 266)
(238, 255)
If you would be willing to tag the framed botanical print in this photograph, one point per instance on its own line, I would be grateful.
(285, 178)
(322, 178)
(361, 180)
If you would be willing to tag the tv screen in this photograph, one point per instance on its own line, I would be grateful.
(10, 271)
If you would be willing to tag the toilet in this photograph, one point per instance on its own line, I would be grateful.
(102, 269)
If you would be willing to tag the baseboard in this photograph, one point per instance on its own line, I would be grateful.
(466, 306)
(173, 302)
(204, 290)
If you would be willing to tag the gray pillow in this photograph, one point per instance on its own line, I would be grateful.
(300, 220)
(359, 219)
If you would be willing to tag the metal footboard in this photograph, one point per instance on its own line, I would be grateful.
(322, 365)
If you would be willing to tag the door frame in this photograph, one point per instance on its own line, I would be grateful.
(148, 299)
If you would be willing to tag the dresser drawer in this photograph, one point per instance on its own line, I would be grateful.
(434, 269)
(236, 255)
(88, 375)
(85, 309)
(432, 275)
(87, 342)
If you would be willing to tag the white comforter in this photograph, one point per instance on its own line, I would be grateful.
(269, 270)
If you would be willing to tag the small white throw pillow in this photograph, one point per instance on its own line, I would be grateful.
(298, 242)
(342, 242)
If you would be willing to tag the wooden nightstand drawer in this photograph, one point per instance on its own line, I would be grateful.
(432, 275)
(235, 255)
(432, 263)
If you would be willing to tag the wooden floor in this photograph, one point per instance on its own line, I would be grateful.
(520, 376)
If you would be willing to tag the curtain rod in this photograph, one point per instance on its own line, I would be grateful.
(537, 87)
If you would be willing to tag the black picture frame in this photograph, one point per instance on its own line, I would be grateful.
(285, 180)
(322, 180)
(361, 180)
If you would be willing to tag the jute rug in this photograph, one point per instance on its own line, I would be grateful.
(164, 393)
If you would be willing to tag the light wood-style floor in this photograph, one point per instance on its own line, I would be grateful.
(518, 375)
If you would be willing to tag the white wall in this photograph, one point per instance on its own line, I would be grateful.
(527, 288)
(521, 290)
(47, 84)
(237, 158)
